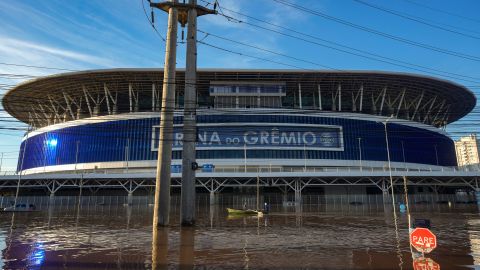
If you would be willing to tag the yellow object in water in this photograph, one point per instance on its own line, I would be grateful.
(249, 212)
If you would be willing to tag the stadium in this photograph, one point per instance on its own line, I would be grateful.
(285, 128)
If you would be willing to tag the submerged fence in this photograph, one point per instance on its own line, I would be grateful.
(250, 201)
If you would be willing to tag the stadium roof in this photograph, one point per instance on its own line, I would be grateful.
(68, 96)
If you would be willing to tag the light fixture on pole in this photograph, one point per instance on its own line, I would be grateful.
(389, 161)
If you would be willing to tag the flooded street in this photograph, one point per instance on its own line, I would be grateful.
(314, 238)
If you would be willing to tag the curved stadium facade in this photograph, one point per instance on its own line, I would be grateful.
(248, 120)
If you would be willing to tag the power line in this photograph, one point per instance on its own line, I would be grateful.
(40, 67)
(442, 11)
(151, 21)
(379, 33)
(264, 49)
(346, 49)
(411, 18)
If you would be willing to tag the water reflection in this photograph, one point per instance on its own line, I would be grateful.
(187, 248)
(123, 238)
(160, 248)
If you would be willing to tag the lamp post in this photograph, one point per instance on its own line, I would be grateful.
(360, 152)
(389, 161)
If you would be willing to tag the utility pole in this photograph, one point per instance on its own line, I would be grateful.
(183, 13)
(189, 122)
(161, 208)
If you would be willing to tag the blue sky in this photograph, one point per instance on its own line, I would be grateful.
(80, 34)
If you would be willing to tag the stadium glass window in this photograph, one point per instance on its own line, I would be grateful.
(247, 89)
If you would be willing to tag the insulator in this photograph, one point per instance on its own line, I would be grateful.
(153, 17)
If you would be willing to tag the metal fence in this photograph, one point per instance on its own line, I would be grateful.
(239, 200)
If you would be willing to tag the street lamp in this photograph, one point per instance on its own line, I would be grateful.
(389, 161)
(360, 152)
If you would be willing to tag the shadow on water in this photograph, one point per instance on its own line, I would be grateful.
(122, 237)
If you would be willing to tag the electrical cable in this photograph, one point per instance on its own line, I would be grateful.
(379, 33)
(411, 18)
(346, 49)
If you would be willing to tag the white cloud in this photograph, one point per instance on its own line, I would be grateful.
(284, 15)
(28, 50)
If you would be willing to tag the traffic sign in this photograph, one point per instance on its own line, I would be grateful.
(423, 240)
(423, 263)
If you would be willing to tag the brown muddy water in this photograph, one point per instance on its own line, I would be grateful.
(121, 237)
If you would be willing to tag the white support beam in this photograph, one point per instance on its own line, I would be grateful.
(361, 99)
(374, 105)
(36, 116)
(105, 88)
(68, 103)
(55, 110)
(355, 99)
(417, 106)
(110, 98)
(133, 98)
(445, 116)
(43, 111)
(85, 92)
(429, 109)
(300, 96)
(154, 98)
(339, 89)
(354, 103)
(439, 110)
(319, 98)
(31, 120)
(334, 100)
(384, 93)
(78, 104)
(401, 101)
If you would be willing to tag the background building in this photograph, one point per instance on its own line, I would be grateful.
(467, 150)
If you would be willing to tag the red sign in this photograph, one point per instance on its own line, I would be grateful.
(423, 240)
(425, 264)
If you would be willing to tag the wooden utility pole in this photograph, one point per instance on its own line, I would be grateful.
(190, 122)
(183, 13)
(161, 208)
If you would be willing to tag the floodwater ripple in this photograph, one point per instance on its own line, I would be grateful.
(122, 238)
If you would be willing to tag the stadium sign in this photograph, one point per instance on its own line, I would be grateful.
(267, 136)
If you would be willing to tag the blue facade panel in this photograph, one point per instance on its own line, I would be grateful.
(132, 140)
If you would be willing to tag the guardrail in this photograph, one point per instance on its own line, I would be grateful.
(265, 169)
